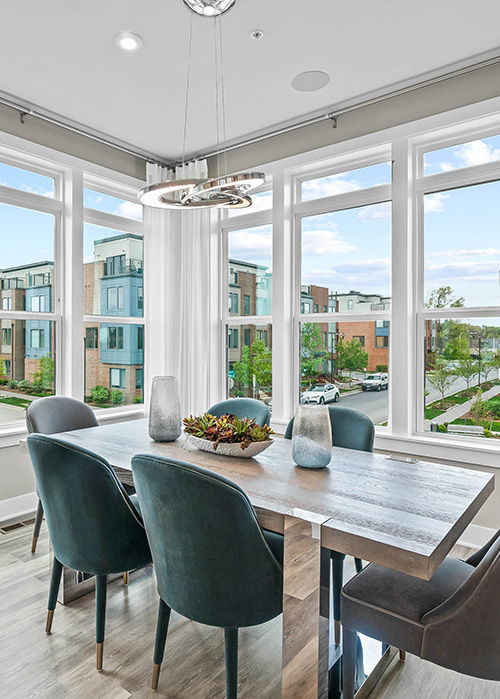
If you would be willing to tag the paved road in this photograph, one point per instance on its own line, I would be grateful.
(374, 403)
(9, 413)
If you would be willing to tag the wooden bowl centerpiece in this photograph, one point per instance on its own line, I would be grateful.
(227, 435)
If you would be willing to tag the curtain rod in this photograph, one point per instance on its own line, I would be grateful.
(25, 110)
(333, 114)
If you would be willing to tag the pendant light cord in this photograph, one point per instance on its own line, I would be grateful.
(223, 95)
(188, 81)
(216, 54)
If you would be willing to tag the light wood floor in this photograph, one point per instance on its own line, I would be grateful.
(63, 664)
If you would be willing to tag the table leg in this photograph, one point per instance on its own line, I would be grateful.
(305, 634)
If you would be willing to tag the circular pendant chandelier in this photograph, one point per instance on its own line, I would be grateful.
(228, 191)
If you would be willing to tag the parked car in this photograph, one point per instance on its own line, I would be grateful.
(321, 393)
(375, 382)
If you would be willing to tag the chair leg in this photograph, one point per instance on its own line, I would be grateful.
(161, 637)
(337, 580)
(359, 565)
(55, 581)
(402, 655)
(101, 588)
(37, 526)
(231, 643)
(349, 664)
(125, 577)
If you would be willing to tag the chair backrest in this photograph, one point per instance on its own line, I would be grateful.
(212, 562)
(92, 523)
(59, 414)
(463, 633)
(243, 407)
(351, 429)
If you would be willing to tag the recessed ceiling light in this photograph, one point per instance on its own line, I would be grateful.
(310, 81)
(128, 41)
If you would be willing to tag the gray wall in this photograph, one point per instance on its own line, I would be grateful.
(46, 134)
(16, 473)
(476, 86)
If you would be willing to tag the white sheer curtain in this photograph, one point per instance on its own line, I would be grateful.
(179, 305)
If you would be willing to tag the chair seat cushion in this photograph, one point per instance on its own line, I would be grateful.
(389, 605)
(275, 543)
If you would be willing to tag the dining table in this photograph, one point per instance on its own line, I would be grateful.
(404, 514)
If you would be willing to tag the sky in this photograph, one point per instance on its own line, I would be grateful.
(344, 250)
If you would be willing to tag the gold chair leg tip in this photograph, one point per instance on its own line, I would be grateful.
(34, 542)
(48, 623)
(402, 655)
(125, 578)
(156, 675)
(99, 649)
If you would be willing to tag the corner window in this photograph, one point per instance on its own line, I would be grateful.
(117, 378)
(91, 338)
(115, 338)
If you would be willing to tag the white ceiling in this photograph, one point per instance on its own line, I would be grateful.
(60, 55)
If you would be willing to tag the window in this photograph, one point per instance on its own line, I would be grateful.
(140, 298)
(246, 305)
(115, 338)
(140, 337)
(349, 304)
(246, 336)
(91, 338)
(250, 257)
(139, 378)
(6, 336)
(26, 180)
(261, 201)
(477, 152)
(7, 303)
(233, 303)
(360, 339)
(349, 181)
(117, 378)
(38, 303)
(233, 338)
(101, 201)
(112, 298)
(36, 338)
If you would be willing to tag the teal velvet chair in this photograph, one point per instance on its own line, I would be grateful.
(93, 524)
(243, 407)
(56, 414)
(351, 429)
(213, 562)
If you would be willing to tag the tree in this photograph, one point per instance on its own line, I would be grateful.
(43, 378)
(467, 369)
(116, 396)
(99, 394)
(487, 367)
(479, 408)
(312, 350)
(441, 378)
(443, 298)
(256, 360)
(351, 356)
(457, 346)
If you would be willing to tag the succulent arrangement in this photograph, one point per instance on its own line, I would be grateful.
(228, 429)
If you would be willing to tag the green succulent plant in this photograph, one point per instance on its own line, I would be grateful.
(229, 429)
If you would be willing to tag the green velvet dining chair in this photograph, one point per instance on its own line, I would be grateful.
(93, 524)
(243, 408)
(213, 562)
(56, 414)
(351, 429)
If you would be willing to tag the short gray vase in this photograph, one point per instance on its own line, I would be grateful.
(165, 422)
(312, 436)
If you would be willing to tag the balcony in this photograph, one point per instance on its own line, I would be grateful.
(41, 279)
(122, 268)
(13, 283)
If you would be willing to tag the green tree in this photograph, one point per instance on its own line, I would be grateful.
(116, 396)
(312, 351)
(256, 360)
(99, 394)
(43, 378)
(444, 297)
(3, 371)
(351, 356)
(479, 408)
(467, 369)
(441, 378)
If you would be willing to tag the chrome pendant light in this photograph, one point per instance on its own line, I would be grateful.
(229, 191)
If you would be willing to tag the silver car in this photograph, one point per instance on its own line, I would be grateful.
(321, 393)
(375, 382)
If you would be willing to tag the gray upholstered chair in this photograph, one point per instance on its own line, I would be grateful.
(452, 620)
(243, 407)
(56, 414)
(351, 429)
(93, 524)
(213, 562)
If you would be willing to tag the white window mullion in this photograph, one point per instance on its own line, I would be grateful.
(71, 350)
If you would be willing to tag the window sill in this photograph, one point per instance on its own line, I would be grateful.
(12, 434)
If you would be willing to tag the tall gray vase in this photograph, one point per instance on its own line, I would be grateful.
(165, 422)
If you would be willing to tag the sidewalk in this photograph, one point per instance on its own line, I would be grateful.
(458, 410)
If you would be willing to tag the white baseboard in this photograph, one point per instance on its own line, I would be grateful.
(18, 508)
(476, 536)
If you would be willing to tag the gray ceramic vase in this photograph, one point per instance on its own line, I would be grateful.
(312, 436)
(165, 422)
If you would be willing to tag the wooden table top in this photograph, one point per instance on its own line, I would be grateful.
(406, 516)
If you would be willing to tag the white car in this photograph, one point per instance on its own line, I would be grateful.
(375, 382)
(321, 393)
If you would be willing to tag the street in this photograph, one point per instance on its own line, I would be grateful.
(375, 404)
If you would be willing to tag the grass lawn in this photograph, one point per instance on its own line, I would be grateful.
(20, 402)
(431, 413)
(495, 426)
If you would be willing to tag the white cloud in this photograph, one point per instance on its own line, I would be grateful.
(434, 203)
(325, 242)
(130, 209)
(328, 186)
(466, 271)
(250, 246)
(446, 167)
(372, 275)
(375, 211)
(478, 252)
(477, 153)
